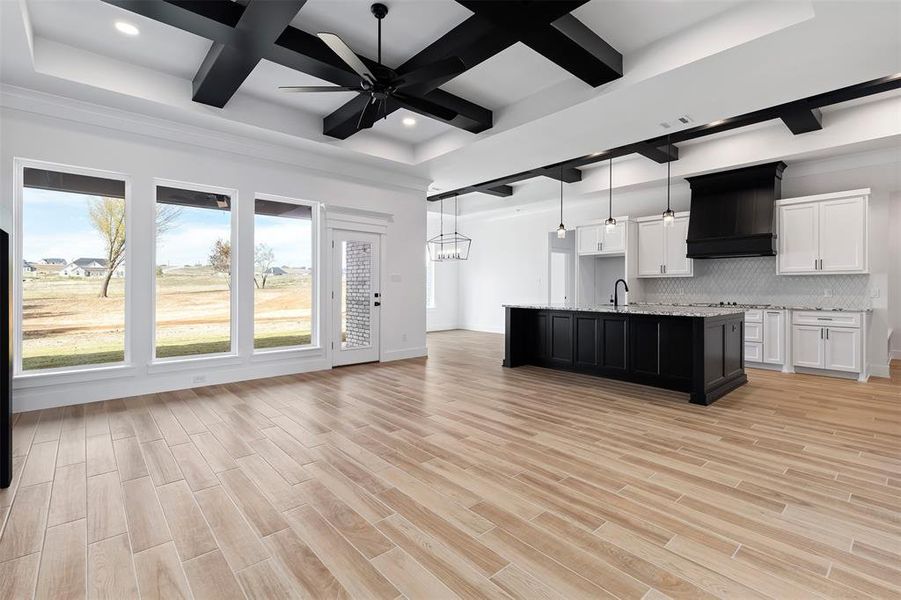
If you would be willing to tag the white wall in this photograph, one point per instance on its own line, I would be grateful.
(143, 157)
(894, 248)
(510, 265)
(444, 314)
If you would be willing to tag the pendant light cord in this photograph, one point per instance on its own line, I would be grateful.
(610, 205)
(455, 214)
(442, 217)
(380, 41)
(561, 194)
(669, 159)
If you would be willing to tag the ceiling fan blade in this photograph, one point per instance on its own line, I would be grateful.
(445, 70)
(344, 52)
(318, 88)
(367, 115)
(424, 106)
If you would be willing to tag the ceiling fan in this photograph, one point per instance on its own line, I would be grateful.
(385, 84)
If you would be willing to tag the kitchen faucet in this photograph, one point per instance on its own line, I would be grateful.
(616, 291)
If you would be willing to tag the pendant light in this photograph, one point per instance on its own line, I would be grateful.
(669, 217)
(610, 223)
(446, 247)
(561, 231)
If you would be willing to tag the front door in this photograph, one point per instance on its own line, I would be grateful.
(355, 297)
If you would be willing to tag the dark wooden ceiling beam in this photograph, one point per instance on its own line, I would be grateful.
(802, 119)
(845, 94)
(564, 174)
(548, 28)
(296, 49)
(659, 154)
(501, 191)
(228, 64)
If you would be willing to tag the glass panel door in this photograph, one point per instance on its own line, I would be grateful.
(355, 257)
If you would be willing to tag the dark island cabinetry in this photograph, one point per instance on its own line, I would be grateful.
(693, 352)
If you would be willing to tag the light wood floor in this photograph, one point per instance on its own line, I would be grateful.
(452, 477)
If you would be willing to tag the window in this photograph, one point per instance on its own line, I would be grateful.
(429, 281)
(194, 271)
(72, 265)
(284, 299)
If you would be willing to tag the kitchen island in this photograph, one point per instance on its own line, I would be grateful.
(697, 350)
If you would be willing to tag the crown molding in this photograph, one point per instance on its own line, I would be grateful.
(343, 168)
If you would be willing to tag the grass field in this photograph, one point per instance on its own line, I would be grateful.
(65, 323)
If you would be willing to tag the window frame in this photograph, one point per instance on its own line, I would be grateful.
(315, 309)
(18, 233)
(234, 275)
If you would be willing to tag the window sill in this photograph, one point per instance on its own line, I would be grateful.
(169, 365)
(295, 352)
(33, 380)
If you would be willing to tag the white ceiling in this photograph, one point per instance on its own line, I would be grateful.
(707, 58)
(89, 25)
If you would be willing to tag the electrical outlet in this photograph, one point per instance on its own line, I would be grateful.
(199, 379)
(827, 293)
(874, 293)
(403, 337)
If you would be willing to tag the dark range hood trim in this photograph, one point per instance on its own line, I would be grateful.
(733, 213)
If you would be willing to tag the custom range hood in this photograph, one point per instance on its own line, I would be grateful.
(733, 213)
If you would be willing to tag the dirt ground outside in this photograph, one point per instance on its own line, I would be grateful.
(65, 323)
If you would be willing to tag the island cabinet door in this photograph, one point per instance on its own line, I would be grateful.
(560, 331)
(644, 346)
(676, 343)
(586, 342)
(613, 344)
(540, 340)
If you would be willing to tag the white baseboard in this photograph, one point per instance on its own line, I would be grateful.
(444, 327)
(894, 355)
(879, 371)
(51, 396)
(389, 355)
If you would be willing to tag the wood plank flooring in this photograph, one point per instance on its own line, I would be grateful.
(454, 478)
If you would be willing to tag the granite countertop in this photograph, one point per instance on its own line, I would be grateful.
(751, 306)
(667, 310)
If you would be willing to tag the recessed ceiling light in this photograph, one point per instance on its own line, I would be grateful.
(127, 28)
(409, 121)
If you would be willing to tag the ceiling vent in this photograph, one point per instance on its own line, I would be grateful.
(677, 122)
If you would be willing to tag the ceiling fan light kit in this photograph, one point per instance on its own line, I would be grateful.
(385, 84)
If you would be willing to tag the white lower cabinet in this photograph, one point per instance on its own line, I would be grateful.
(808, 346)
(765, 336)
(753, 352)
(827, 340)
(774, 337)
(843, 349)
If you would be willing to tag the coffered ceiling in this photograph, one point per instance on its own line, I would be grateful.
(706, 59)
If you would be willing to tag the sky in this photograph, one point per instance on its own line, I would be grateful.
(57, 224)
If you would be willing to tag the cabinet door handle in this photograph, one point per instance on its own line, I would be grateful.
(815, 267)
(821, 333)
(827, 334)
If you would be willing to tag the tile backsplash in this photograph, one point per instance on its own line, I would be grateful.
(754, 281)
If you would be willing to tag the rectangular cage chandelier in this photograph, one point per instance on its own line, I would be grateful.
(449, 246)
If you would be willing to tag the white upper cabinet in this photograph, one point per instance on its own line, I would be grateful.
(651, 249)
(615, 240)
(799, 241)
(677, 263)
(662, 250)
(825, 234)
(843, 235)
(595, 239)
